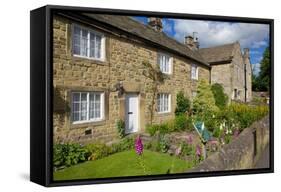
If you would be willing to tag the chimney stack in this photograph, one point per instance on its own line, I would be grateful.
(191, 42)
(155, 23)
(246, 53)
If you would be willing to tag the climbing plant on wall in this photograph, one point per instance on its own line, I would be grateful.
(157, 78)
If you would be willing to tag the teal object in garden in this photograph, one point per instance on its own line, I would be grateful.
(204, 134)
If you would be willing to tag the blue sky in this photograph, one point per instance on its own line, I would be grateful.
(213, 33)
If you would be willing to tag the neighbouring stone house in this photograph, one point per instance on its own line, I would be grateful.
(98, 74)
(230, 68)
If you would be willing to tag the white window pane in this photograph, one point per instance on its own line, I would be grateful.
(84, 42)
(164, 63)
(92, 45)
(160, 63)
(194, 72)
(163, 103)
(92, 105)
(98, 46)
(98, 106)
(95, 106)
(75, 106)
(158, 103)
(76, 41)
(166, 102)
(95, 45)
(83, 106)
(76, 97)
(75, 116)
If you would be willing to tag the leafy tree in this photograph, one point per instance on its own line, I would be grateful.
(204, 105)
(221, 98)
(261, 81)
(204, 100)
(265, 70)
(183, 104)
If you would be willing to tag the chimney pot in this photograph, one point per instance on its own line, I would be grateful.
(155, 23)
(246, 52)
(191, 42)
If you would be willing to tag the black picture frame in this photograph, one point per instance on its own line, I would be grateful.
(41, 94)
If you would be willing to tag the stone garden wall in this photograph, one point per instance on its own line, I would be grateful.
(242, 153)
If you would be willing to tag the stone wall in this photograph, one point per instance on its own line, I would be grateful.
(242, 153)
(232, 76)
(238, 81)
(222, 74)
(123, 63)
(248, 78)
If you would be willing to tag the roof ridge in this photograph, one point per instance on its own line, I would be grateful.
(148, 33)
(163, 33)
(217, 46)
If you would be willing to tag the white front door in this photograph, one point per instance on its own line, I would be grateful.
(132, 113)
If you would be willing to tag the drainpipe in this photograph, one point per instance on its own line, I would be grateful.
(245, 77)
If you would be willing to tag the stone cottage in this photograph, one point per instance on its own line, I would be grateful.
(230, 68)
(98, 74)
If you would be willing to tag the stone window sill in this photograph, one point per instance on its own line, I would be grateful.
(87, 124)
(91, 60)
(161, 114)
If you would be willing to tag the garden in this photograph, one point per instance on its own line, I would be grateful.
(174, 146)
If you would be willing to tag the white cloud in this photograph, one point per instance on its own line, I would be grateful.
(167, 27)
(212, 33)
(258, 44)
(256, 68)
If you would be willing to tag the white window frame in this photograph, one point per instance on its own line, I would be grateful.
(89, 31)
(196, 72)
(88, 120)
(170, 63)
(162, 95)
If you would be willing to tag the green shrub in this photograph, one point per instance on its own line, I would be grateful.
(152, 129)
(209, 119)
(186, 149)
(123, 145)
(204, 103)
(127, 143)
(98, 151)
(120, 125)
(217, 132)
(163, 128)
(163, 144)
(65, 155)
(160, 144)
(246, 115)
(238, 116)
(181, 122)
(183, 104)
(221, 99)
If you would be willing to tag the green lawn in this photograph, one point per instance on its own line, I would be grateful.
(124, 164)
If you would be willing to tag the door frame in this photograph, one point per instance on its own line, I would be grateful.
(138, 111)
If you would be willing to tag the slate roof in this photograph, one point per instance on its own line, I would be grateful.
(218, 54)
(136, 28)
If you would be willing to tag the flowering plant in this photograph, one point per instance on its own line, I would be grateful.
(138, 146)
(139, 152)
